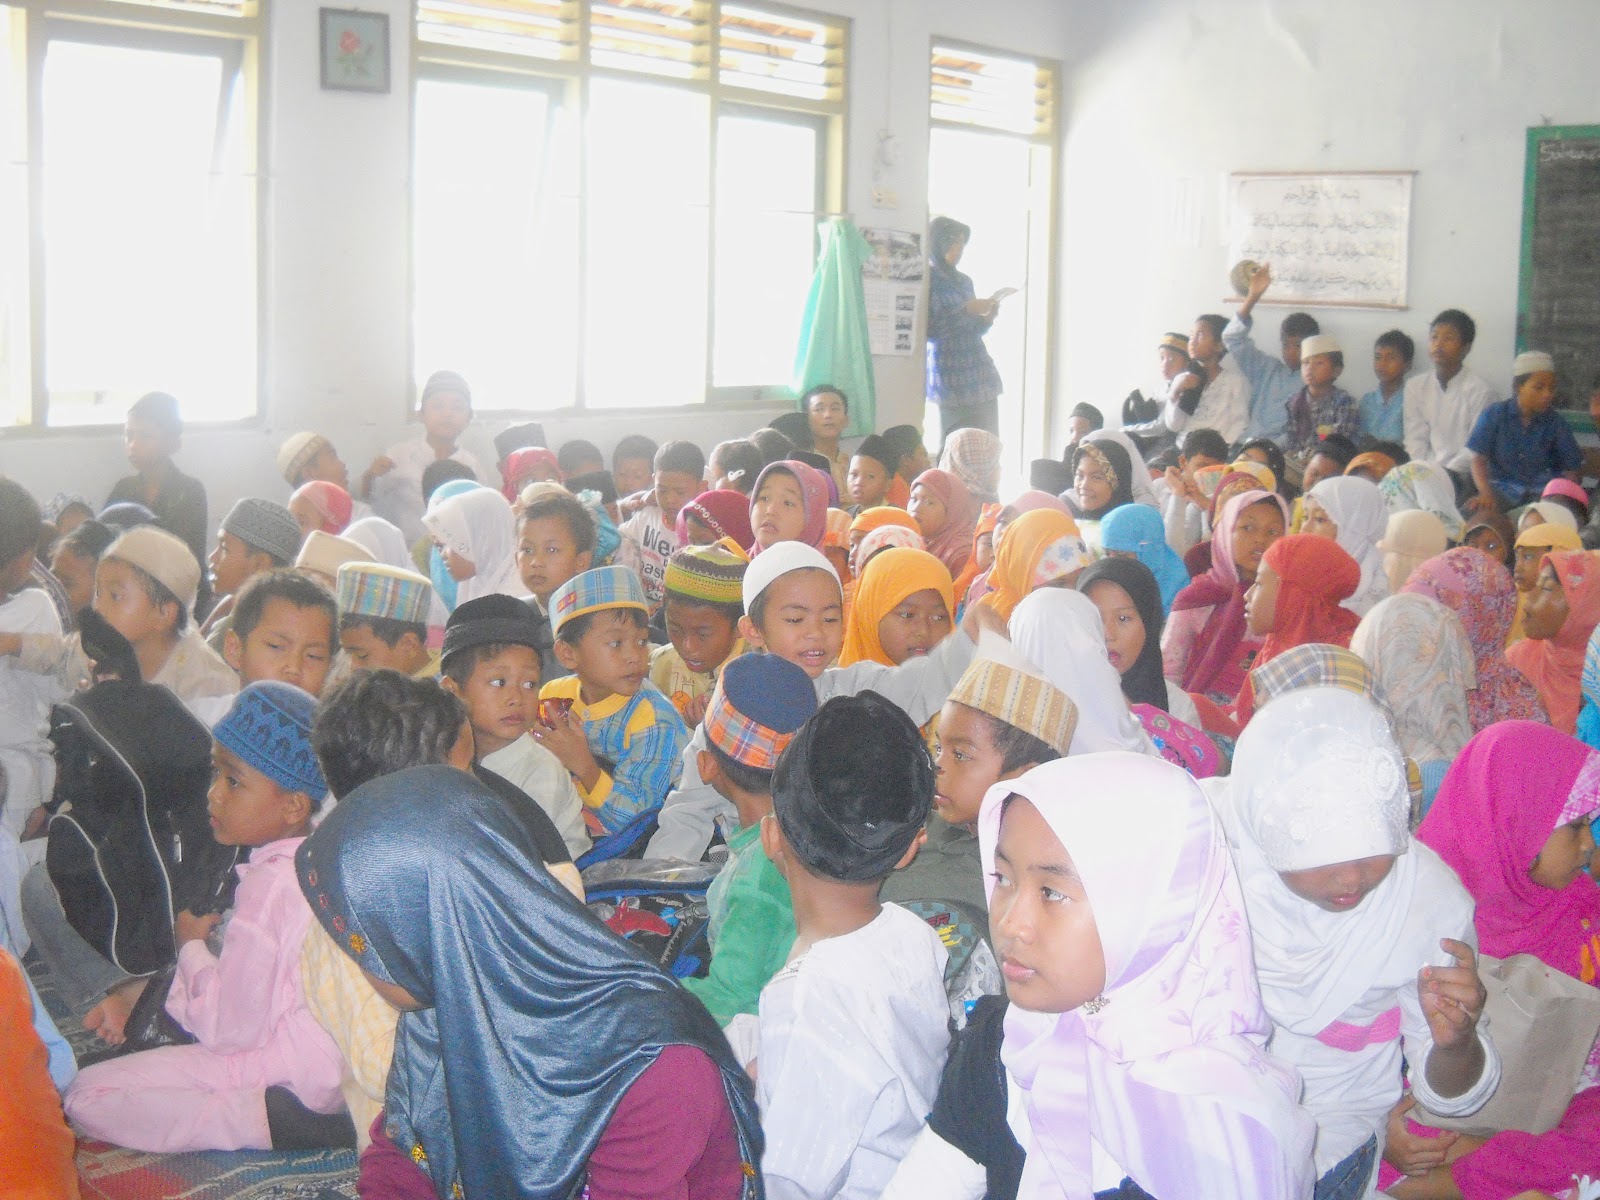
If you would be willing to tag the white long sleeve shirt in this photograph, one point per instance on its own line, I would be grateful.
(1439, 419)
(1224, 406)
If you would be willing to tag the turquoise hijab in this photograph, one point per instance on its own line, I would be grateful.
(444, 584)
(1137, 529)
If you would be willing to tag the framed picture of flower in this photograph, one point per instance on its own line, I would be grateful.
(355, 50)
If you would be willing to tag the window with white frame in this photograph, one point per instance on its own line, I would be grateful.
(615, 204)
(130, 258)
(991, 165)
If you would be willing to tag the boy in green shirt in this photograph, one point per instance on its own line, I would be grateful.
(759, 704)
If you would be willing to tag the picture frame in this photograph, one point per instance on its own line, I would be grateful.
(355, 50)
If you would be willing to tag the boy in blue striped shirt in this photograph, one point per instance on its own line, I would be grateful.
(621, 739)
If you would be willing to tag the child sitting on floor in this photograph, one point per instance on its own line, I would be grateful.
(285, 627)
(704, 603)
(491, 663)
(245, 1005)
(556, 539)
(760, 703)
(383, 619)
(617, 734)
(854, 1029)
(256, 536)
(374, 724)
(680, 470)
(393, 483)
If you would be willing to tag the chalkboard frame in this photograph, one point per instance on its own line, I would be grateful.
(1410, 178)
(1537, 134)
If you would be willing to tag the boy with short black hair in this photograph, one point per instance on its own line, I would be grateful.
(579, 457)
(855, 1029)
(911, 459)
(1183, 505)
(735, 465)
(393, 483)
(632, 463)
(704, 601)
(26, 753)
(153, 434)
(1519, 445)
(621, 739)
(1272, 381)
(491, 662)
(285, 627)
(1320, 407)
(760, 704)
(680, 470)
(556, 539)
(1442, 405)
(257, 535)
(383, 619)
(872, 469)
(1383, 408)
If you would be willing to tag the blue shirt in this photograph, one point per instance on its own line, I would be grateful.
(1523, 456)
(1272, 383)
(959, 367)
(1384, 420)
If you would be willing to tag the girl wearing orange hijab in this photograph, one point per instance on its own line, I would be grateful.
(1295, 601)
(1040, 549)
(874, 518)
(1562, 612)
(904, 607)
(35, 1143)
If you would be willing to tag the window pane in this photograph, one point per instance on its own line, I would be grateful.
(766, 246)
(16, 401)
(149, 234)
(495, 243)
(647, 245)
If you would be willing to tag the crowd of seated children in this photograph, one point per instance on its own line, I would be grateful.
(979, 972)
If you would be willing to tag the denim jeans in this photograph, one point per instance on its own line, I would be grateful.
(1347, 1180)
(81, 973)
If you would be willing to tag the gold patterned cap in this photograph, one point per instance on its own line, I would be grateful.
(1019, 698)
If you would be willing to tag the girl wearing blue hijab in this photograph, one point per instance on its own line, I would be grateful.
(444, 584)
(1137, 530)
(538, 1054)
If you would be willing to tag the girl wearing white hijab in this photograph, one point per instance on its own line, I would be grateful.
(478, 534)
(1344, 909)
(1352, 511)
(1134, 1047)
(1062, 633)
(383, 540)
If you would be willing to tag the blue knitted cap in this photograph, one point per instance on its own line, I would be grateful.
(269, 728)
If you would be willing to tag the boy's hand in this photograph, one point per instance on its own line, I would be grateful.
(1260, 282)
(186, 927)
(696, 710)
(629, 505)
(566, 741)
(1412, 1153)
(1452, 997)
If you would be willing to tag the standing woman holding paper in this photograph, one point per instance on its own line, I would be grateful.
(962, 379)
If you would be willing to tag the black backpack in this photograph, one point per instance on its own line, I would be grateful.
(130, 840)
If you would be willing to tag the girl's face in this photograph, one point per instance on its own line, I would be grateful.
(461, 567)
(1091, 483)
(1339, 887)
(915, 626)
(802, 620)
(1489, 542)
(779, 510)
(1318, 523)
(1261, 602)
(1566, 854)
(1040, 919)
(1125, 631)
(1257, 528)
(928, 511)
(1526, 572)
(1547, 606)
(983, 551)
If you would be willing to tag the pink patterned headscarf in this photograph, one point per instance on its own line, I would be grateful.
(1479, 590)
(1509, 790)
(1180, 1041)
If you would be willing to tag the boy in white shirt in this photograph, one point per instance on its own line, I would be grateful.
(1442, 405)
(855, 1029)
(393, 483)
(1208, 395)
(680, 469)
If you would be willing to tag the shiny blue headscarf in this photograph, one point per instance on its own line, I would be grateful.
(1137, 529)
(444, 584)
(431, 883)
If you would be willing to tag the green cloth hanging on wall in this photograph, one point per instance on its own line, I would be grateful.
(834, 346)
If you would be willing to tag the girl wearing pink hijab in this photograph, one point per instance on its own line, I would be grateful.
(789, 504)
(1512, 820)
(1134, 1047)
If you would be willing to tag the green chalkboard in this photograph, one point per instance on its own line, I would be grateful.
(1558, 295)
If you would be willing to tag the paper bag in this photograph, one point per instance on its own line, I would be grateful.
(1543, 1022)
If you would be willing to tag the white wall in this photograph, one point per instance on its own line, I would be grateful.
(1171, 95)
(335, 252)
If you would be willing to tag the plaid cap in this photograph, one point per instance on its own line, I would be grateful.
(760, 702)
(375, 590)
(1020, 699)
(593, 591)
(710, 574)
